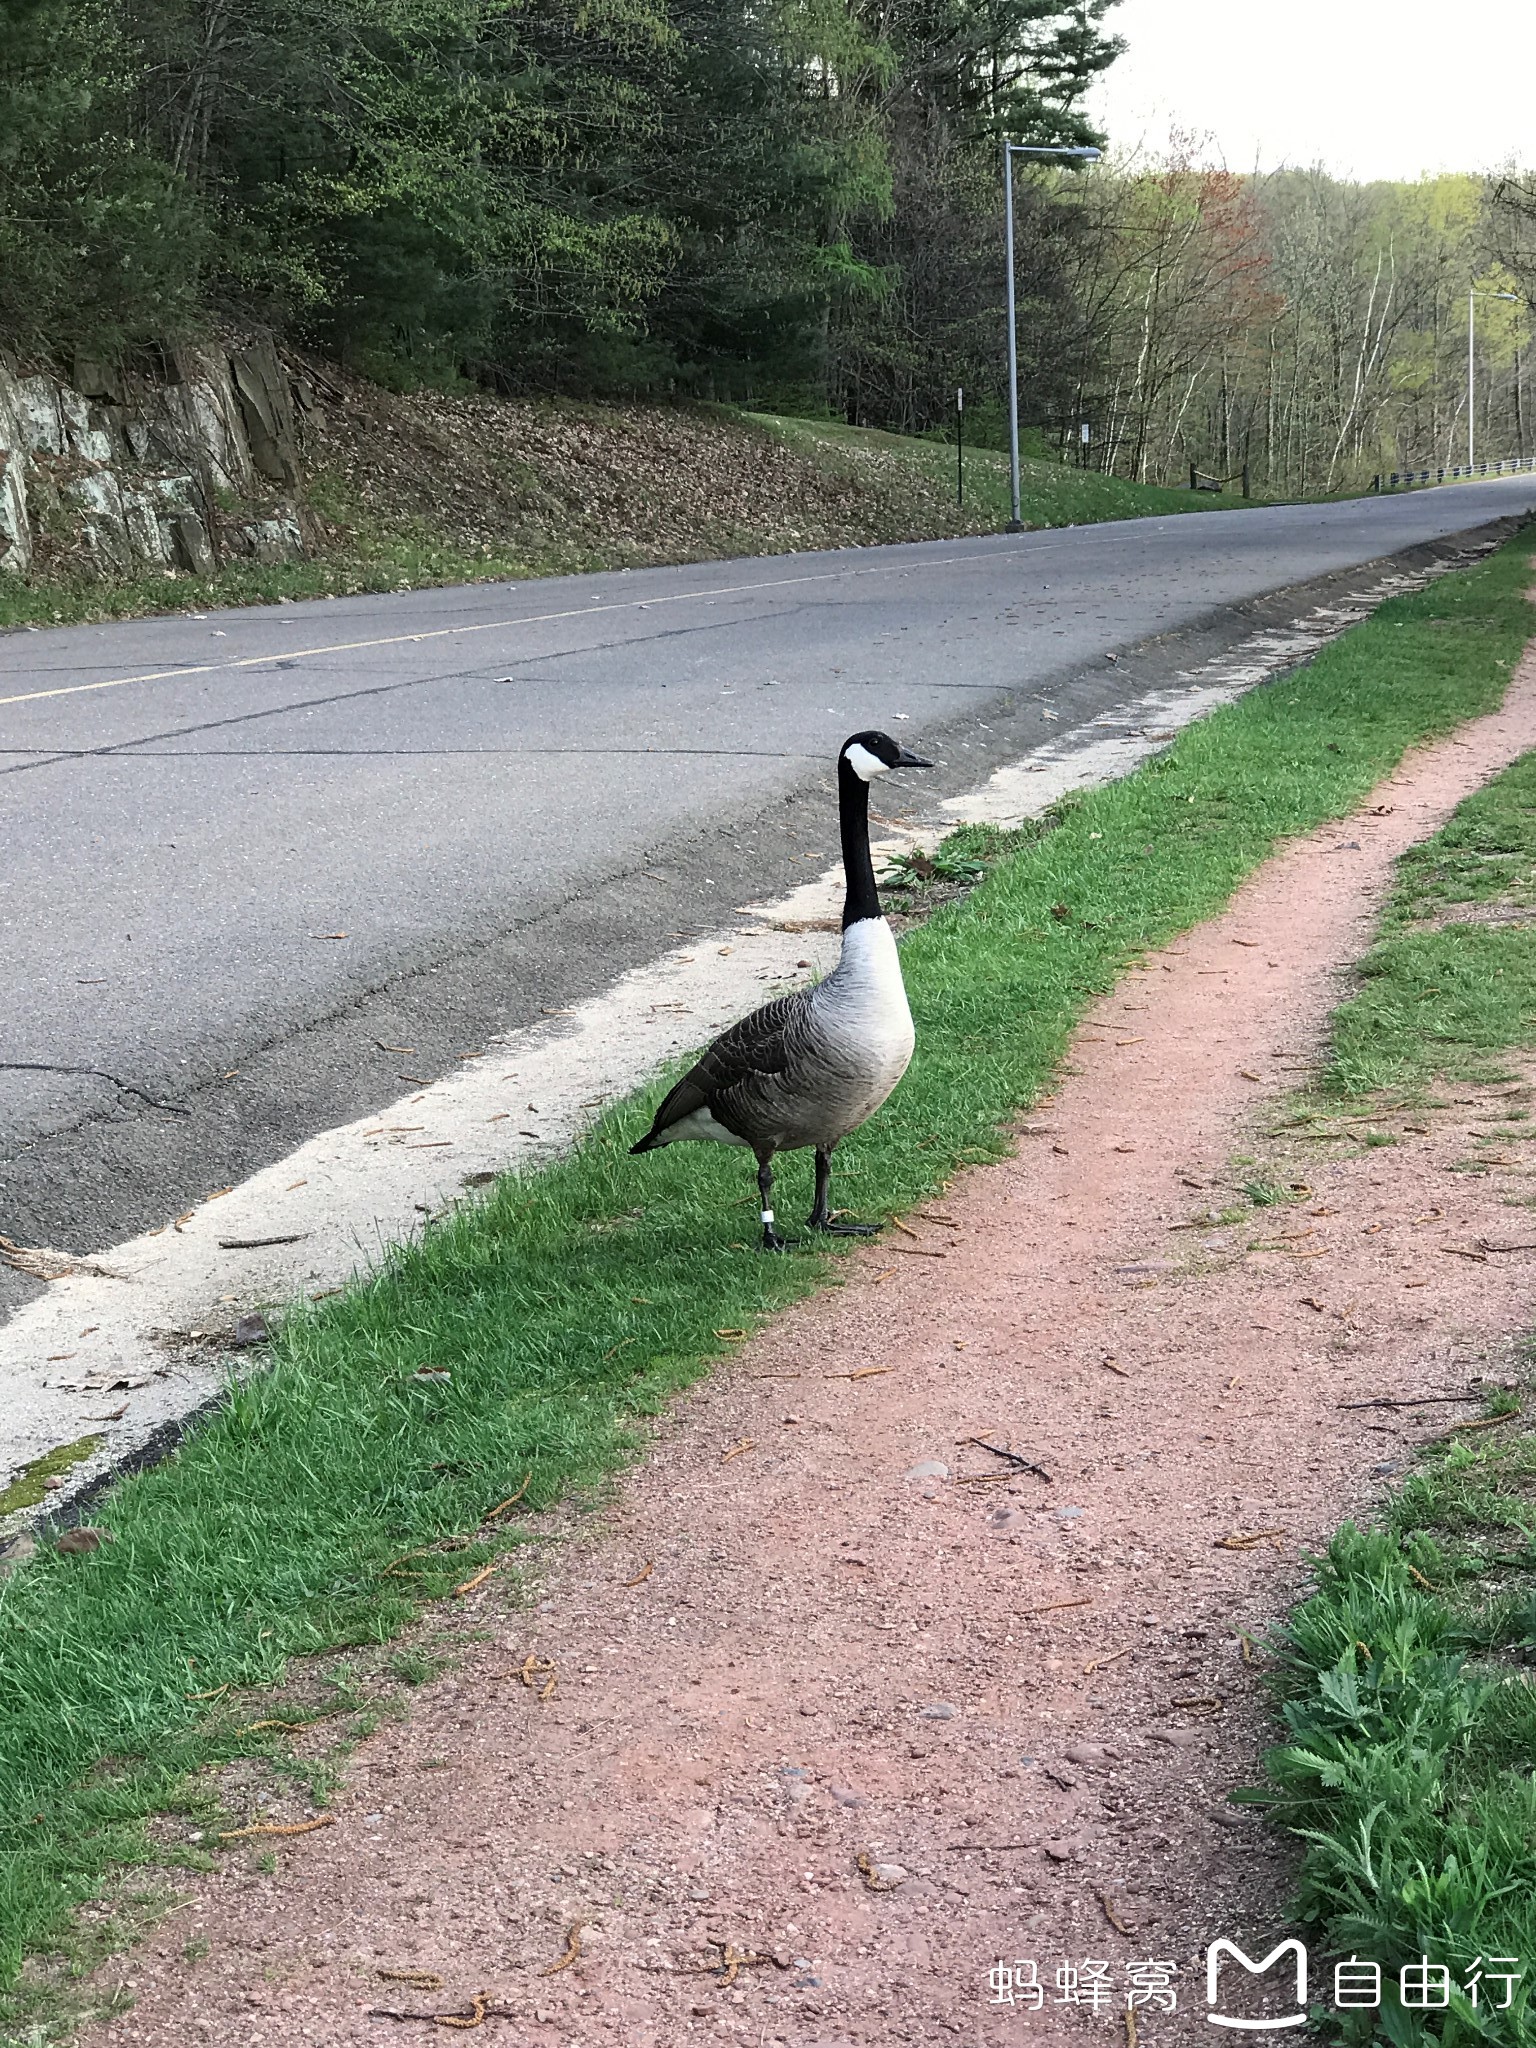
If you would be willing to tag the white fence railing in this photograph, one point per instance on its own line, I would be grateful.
(1398, 480)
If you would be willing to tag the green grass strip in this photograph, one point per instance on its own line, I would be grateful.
(573, 1302)
(1405, 1678)
(1051, 493)
(1410, 1731)
(1442, 993)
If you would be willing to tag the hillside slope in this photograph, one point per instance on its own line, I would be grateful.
(433, 487)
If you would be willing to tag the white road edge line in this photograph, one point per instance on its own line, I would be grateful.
(575, 611)
(144, 1327)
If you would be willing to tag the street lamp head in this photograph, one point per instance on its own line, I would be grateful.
(1086, 151)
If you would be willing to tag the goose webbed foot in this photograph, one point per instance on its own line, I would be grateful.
(772, 1242)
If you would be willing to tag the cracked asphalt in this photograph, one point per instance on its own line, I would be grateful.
(265, 866)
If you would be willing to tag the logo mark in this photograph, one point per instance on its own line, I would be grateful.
(1213, 1960)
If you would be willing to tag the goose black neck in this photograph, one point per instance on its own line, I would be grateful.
(862, 899)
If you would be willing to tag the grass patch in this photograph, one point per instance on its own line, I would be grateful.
(1410, 1711)
(571, 1304)
(366, 553)
(1451, 983)
(29, 1488)
(1050, 493)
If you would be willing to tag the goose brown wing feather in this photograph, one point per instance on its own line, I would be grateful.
(758, 1046)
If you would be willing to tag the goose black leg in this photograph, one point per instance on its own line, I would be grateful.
(820, 1217)
(772, 1242)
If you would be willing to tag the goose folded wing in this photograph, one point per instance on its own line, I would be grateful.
(760, 1046)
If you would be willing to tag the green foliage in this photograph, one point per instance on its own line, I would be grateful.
(571, 1303)
(100, 241)
(1451, 984)
(593, 194)
(1410, 1720)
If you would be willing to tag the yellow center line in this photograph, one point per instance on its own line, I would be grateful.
(579, 611)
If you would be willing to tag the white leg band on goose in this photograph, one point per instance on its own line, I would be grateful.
(767, 1215)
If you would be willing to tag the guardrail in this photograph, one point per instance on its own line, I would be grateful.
(1407, 479)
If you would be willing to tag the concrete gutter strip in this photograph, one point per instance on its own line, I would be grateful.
(127, 1344)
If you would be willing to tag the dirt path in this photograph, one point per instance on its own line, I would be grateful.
(799, 1638)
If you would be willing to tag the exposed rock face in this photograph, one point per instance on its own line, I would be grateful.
(176, 467)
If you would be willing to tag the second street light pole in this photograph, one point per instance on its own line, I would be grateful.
(1010, 151)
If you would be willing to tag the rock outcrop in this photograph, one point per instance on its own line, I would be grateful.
(174, 465)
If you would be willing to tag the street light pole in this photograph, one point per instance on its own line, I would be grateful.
(1473, 295)
(1010, 151)
(1471, 376)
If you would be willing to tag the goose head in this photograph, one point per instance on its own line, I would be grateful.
(872, 754)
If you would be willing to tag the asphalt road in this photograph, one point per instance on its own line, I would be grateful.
(246, 854)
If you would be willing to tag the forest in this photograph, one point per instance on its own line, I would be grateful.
(793, 204)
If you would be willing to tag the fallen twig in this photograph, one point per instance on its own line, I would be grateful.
(1098, 1663)
(1246, 1539)
(511, 1500)
(1111, 1913)
(568, 1956)
(446, 1549)
(274, 1827)
(536, 1668)
(1420, 1401)
(479, 2011)
(1019, 1464)
(1055, 1606)
(479, 1578)
(731, 1961)
(419, 1980)
(643, 1574)
(873, 1881)
(747, 1443)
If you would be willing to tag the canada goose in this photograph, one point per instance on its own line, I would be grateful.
(809, 1068)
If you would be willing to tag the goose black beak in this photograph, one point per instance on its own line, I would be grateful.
(906, 760)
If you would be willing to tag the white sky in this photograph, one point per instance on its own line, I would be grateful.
(1371, 88)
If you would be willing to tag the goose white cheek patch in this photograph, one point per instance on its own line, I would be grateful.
(863, 763)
